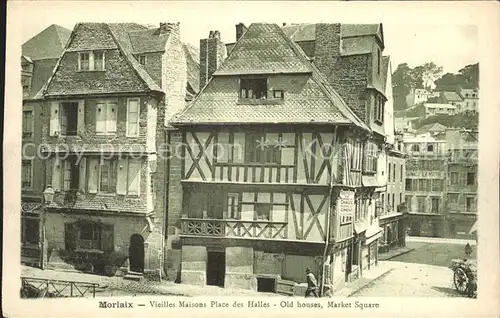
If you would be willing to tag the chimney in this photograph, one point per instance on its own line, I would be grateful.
(212, 54)
(240, 29)
(327, 48)
(168, 28)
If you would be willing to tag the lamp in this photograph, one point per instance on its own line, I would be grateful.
(48, 194)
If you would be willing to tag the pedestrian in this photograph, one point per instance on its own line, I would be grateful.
(468, 250)
(312, 284)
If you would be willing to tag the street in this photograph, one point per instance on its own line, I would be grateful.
(422, 272)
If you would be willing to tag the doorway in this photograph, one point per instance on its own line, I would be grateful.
(415, 228)
(266, 284)
(136, 253)
(216, 268)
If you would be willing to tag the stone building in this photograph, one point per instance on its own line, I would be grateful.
(280, 158)
(39, 56)
(105, 110)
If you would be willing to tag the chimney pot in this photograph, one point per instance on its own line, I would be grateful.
(211, 35)
(240, 29)
(284, 23)
(217, 35)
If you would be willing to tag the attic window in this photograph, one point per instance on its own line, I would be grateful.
(253, 88)
(91, 61)
(142, 59)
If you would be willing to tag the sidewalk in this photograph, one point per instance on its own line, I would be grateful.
(439, 240)
(383, 268)
(394, 252)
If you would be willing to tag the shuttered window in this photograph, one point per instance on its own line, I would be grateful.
(27, 174)
(89, 236)
(134, 177)
(106, 112)
(133, 110)
(107, 176)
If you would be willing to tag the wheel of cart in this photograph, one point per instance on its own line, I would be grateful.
(464, 277)
(460, 280)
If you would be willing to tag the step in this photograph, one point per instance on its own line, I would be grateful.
(134, 276)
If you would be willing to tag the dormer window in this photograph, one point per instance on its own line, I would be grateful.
(253, 88)
(141, 59)
(91, 61)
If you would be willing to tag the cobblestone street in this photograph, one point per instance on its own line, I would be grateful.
(437, 254)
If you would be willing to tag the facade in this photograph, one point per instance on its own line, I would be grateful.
(461, 192)
(105, 110)
(266, 186)
(417, 96)
(425, 183)
(433, 109)
(391, 199)
(39, 56)
(470, 97)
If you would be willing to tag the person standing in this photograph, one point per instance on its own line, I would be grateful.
(312, 284)
(468, 250)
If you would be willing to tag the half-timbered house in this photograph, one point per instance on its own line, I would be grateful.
(276, 167)
(104, 117)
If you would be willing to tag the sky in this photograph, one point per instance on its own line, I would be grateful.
(450, 45)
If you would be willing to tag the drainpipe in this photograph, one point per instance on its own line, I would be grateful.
(329, 216)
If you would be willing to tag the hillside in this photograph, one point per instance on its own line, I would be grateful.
(468, 120)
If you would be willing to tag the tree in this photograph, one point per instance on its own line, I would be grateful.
(428, 73)
(470, 75)
(401, 85)
(467, 77)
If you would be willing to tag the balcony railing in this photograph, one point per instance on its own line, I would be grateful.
(234, 228)
(254, 173)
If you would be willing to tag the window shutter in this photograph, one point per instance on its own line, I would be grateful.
(54, 119)
(67, 174)
(111, 110)
(82, 174)
(121, 178)
(100, 118)
(81, 117)
(70, 236)
(56, 174)
(107, 237)
(133, 117)
(93, 175)
(134, 177)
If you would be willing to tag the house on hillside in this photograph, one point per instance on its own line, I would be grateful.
(105, 110)
(417, 96)
(280, 160)
(39, 56)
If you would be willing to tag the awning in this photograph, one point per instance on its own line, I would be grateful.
(372, 234)
(473, 229)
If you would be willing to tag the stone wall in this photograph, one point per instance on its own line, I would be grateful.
(239, 268)
(194, 265)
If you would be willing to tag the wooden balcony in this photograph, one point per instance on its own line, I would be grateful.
(234, 228)
(246, 172)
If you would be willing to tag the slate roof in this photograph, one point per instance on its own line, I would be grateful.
(316, 103)
(47, 44)
(452, 97)
(192, 55)
(307, 32)
(263, 50)
(42, 70)
(88, 201)
(435, 127)
(148, 40)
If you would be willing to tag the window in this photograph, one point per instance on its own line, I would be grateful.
(430, 148)
(437, 185)
(408, 185)
(471, 178)
(134, 177)
(254, 88)
(30, 231)
(370, 162)
(393, 172)
(454, 178)
(107, 176)
(260, 150)
(421, 204)
(71, 174)
(89, 236)
(402, 173)
(278, 94)
(232, 205)
(27, 174)
(91, 61)
(421, 185)
(393, 203)
(69, 119)
(379, 109)
(263, 211)
(389, 203)
(470, 204)
(26, 84)
(142, 59)
(408, 202)
(106, 117)
(400, 198)
(27, 124)
(389, 173)
(133, 110)
(415, 148)
(379, 61)
(435, 205)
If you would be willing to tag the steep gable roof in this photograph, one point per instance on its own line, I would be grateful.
(318, 103)
(149, 40)
(262, 50)
(94, 36)
(47, 44)
(307, 32)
